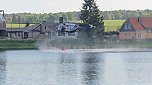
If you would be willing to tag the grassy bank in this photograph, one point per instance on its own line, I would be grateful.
(17, 44)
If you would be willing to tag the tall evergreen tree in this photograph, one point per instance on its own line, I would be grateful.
(90, 14)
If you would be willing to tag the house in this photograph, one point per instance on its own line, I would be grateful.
(17, 33)
(37, 31)
(136, 28)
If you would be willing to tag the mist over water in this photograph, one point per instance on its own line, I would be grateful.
(56, 43)
(46, 44)
(74, 46)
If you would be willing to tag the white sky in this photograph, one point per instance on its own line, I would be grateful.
(47, 6)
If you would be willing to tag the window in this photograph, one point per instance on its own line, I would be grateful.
(134, 36)
(127, 26)
(139, 35)
(149, 30)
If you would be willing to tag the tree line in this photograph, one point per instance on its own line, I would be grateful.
(73, 16)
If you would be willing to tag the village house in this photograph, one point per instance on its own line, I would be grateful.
(136, 28)
(37, 31)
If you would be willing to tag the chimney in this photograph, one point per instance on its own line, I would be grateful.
(60, 19)
(139, 19)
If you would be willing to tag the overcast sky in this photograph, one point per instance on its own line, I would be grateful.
(47, 6)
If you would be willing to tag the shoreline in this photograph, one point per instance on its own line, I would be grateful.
(7, 49)
(100, 50)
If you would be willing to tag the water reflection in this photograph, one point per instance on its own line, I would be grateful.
(92, 68)
(68, 73)
(31, 68)
(139, 69)
(115, 73)
(2, 68)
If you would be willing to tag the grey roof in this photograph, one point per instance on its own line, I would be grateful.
(42, 26)
(45, 27)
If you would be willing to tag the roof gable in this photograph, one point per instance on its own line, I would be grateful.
(135, 23)
(140, 23)
(42, 27)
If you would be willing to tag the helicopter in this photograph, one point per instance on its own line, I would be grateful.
(67, 27)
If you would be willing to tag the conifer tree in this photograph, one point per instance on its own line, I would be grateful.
(90, 14)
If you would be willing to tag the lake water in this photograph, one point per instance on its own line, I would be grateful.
(35, 67)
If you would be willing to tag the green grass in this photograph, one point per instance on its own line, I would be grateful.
(17, 44)
(113, 25)
(16, 25)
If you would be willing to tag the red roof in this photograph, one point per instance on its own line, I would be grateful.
(146, 22)
(140, 23)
